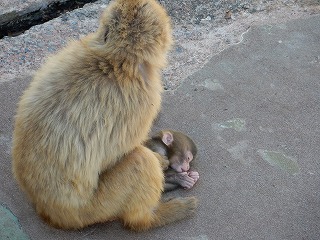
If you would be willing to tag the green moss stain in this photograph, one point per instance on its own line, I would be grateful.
(213, 85)
(280, 160)
(237, 124)
(9, 226)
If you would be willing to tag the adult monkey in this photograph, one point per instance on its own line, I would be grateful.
(80, 125)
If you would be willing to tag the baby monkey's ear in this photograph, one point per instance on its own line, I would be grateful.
(167, 138)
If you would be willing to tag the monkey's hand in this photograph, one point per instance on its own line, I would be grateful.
(186, 179)
(194, 175)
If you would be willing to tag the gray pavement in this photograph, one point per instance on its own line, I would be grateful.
(253, 111)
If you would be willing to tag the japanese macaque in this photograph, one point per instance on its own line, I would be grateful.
(180, 150)
(80, 126)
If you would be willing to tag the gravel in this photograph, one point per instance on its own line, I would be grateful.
(201, 30)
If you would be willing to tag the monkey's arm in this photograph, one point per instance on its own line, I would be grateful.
(170, 186)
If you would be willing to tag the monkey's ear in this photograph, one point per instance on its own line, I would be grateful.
(167, 138)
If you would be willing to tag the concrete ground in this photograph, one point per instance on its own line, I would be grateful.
(253, 111)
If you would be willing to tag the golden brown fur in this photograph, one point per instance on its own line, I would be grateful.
(77, 146)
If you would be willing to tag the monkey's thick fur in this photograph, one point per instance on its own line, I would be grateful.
(80, 125)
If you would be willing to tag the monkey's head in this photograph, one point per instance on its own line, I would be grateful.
(135, 28)
(181, 149)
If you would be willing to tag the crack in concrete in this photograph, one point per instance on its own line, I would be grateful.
(15, 23)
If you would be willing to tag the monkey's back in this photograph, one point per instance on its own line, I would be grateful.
(76, 120)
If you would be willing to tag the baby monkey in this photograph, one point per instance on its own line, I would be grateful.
(180, 150)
